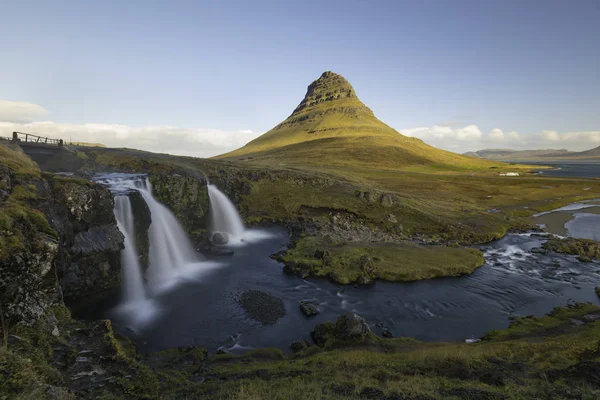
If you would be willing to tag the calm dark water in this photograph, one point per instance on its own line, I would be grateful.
(206, 312)
(584, 170)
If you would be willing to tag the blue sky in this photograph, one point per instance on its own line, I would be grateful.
(451, 72)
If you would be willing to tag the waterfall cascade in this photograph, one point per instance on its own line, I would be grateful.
(171, 254)
(133, 283)
(170, 247)
(224, 215)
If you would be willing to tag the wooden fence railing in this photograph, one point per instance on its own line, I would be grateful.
(31, 138)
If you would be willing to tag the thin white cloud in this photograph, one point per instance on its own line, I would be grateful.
(20, 111)
(445, 133)
(471, 138)
(197, 142)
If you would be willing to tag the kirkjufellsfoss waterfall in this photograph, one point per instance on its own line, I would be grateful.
(133, 283)
(172, 258)
(225, 217)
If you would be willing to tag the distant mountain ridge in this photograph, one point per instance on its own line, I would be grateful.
(542, 155)
(332, 127)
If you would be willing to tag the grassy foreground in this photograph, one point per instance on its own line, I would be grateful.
(552, 357)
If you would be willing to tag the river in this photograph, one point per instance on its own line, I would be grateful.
(205, 311)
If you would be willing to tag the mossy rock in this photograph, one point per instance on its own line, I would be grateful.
(586, 249)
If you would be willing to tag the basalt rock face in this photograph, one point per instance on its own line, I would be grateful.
(88, 263)
(186, 196)
(27, 277)
(330, 92)
(141, 224)
(28, 246)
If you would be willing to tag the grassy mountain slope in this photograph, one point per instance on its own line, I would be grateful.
(331, 126)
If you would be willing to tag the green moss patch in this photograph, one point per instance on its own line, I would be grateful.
(585, 248)
(362, 262)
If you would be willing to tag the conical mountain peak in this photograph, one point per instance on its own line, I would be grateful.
(331, 126)
(331, 92)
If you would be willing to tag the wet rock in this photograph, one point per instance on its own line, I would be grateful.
(262, 307)
(222, 350)
(299, 345)
(350, 326)
(387, 334)
(87, 204)
(82, 213)
(142, 219)
(539, 250)
(98, 239)
(585, 259)
(298, 269)
(220, 238)
(309, 309)
(186, 196)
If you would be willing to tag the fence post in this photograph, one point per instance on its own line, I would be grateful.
(15, 136)
(60, 143)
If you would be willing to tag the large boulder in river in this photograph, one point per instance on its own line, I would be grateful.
(308, 309)
(220, 238)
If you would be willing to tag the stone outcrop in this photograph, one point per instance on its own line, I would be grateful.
(89, 259)
(27, 281)
(186, 196)
(141, 221)
(349, 328)
(330, 92)
(58, 239)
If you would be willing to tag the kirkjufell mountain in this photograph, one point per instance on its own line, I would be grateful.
(331, 126)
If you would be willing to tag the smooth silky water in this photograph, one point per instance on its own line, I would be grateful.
(204, 310)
